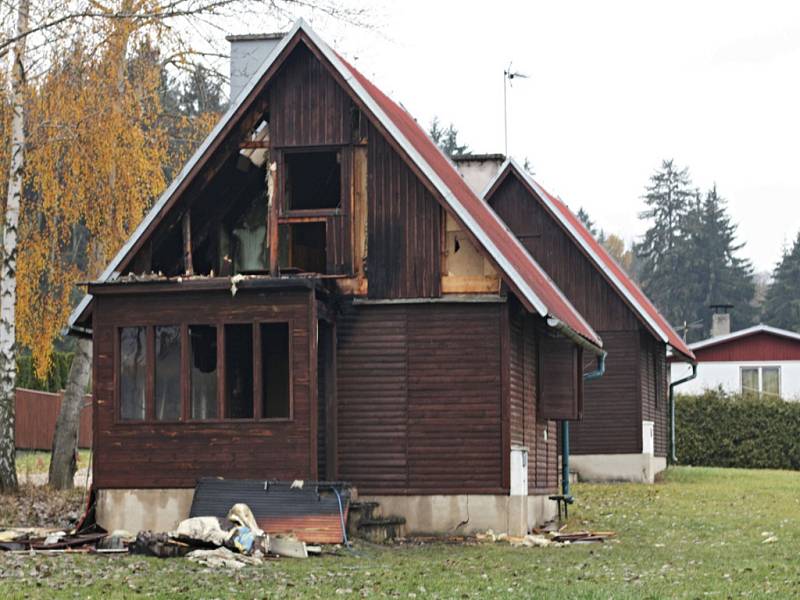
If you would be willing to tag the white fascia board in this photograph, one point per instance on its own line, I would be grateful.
(579, 238)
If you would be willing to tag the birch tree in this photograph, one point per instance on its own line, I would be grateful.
(8, 270)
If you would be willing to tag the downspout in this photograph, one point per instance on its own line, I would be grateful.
(672, 455)
(591, 375)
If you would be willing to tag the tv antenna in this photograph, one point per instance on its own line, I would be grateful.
(508, 75)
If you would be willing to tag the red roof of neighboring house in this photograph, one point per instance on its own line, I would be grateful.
(758, 343)
(534, 287)
(617, 276)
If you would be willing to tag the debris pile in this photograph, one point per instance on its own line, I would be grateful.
(544, 537)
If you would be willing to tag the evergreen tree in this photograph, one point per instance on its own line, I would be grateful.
(782, 304)
(663, 252)
(584, 218)
(447, 139)
(716, 275)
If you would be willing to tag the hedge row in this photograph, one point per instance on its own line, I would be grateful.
(720, 430)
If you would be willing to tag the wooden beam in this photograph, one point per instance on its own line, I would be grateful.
(272, 212)
(186, 224)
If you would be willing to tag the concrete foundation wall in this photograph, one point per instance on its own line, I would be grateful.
(639, 468)
(138, 509)
(467, 514)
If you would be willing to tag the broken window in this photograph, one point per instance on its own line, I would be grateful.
(168, 372)
(313, 180)
(239, 371)
(132, 379)
(303, 247)
(275, 370)
(203, 371)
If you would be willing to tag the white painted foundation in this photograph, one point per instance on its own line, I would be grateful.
(467, 514)
(136, 510)
(639, 468)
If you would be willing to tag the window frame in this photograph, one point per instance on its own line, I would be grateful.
(759, 369)
(283, 178)
(185, 382)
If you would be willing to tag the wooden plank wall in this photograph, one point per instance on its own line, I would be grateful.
(526, 427)
(404, 228)
(171, 455)
(419, 398)
(36, 416)
(655, 390)
(611, 422)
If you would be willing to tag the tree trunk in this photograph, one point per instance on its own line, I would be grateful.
(65, 438)
(8, 270)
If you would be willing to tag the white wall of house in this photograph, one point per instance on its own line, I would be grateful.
(710, 375)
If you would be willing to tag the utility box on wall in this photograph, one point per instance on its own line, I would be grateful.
(648, 437)
(519, 471)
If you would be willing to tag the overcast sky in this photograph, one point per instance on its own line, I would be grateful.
(614, 88)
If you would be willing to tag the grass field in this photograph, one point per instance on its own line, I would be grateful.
(36, 461)
(702, 532)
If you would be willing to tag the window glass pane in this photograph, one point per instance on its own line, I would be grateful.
(771, 381)
(750, 382)
(203, 371)
(168, 373)
(132, 377)
(275, 370)
(239, 371)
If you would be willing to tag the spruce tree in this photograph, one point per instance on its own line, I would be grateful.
(584, 218)
(782, 304)
(716, 274)
(447, 139)
(663, 251)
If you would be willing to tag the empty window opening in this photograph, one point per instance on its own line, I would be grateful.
(249, 233)
(133, 362)
(313, 180)
(303, 247)
(275, 370)
(168, 373)
(203, 371)
(239, 371)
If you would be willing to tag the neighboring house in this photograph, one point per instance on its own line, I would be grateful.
(296, 306)
(624, 431)
(760, 361)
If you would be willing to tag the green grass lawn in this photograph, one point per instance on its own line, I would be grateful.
(38, 461)
(699, 533)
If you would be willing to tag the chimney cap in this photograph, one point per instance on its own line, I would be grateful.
(478, 157)
(252, 37)
(720, 308)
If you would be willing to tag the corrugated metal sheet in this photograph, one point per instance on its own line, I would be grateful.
(311, 512)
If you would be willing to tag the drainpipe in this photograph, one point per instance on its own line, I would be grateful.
(596, 374)
(672, 455)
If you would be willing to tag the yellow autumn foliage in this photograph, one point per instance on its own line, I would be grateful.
(96, 159)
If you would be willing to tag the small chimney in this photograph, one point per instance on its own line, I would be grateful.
(478, 169)
(720, 319)
(248, 53)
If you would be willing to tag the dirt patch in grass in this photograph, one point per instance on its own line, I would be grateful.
(41, 506)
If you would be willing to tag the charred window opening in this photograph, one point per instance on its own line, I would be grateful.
(203, 371)
(275, 370)
(313, 180)
(303, 247)
(238, 371)
(167, 373)
(132, 376)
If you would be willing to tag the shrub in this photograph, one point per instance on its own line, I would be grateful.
(720, 430)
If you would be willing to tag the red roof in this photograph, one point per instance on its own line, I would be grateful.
(487, 220)
(640, 302)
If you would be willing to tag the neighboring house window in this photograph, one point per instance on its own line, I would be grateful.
(758, 381)
(230, 371)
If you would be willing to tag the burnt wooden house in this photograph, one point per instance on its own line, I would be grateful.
(320, 296)
(624, 432)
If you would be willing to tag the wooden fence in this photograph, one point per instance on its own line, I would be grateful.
(37, 413)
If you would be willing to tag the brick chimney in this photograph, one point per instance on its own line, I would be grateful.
(720, 319)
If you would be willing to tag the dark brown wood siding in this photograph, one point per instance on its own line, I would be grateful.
(611, 422)
(419, 398)
(562, 259)
(653, 365)
(527, 429)
(404, 228)
(170, 455)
